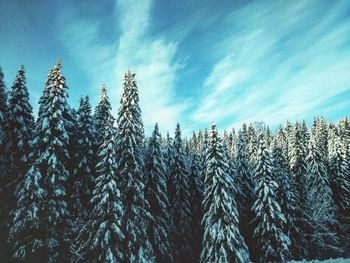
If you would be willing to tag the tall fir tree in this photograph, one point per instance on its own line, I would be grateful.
(131, 168)
(222, 241)
(287, 197)
(340, 184)
(272, 243)
(102, 113)
(101, 238)
(196, 198)
(19, 127)
(179, 195)
(296, 156)
(319, 205)
(4, 163)
(159, 230)
(245, 191)
(46, 206)
(82, 179)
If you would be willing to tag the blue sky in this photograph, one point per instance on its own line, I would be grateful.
(195, 61)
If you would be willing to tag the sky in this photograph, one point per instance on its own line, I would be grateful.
(227, 61)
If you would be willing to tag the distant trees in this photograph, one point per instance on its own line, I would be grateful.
(77, 187)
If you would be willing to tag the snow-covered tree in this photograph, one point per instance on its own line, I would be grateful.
(102, 113)
(296, 156)
(131, 169)
(287, 197)
(319, 204)
(82, 179)
(252, 145)
(51, 140)
(222, 241)
(196, 198)
(101, 238)
(159, 229)
(344, 131)
(340, 183)
(20, 122)
(320, 132)
(179, 195)
(272, 243)
(42, 194)
(4, 165)
(245, 190)
(3, 120)
(281, 141)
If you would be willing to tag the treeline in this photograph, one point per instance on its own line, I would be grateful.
(83, 187)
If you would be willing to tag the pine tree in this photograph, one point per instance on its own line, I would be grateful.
(196, 199)
(82, 179)
(281, 141)
(287, 196)
(20, 122)
(102, 113)
(101, 238)
(296, 154)
(41, 204)
(319, 204)
(4, 163)
(222, 241)
(271, 241)
(179, 202)
(340, 183)
(159, 230)
(344, 131)
(131, 168)
(245, 190)
(3, 120)
(320, 132)
(252, 145)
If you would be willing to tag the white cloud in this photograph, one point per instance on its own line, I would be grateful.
(152, 59)
(282, 63)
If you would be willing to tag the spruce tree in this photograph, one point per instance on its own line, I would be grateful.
(102, 113)
(41, 204)
(3, 122)
(20, 122)
(4, 163)
(319, 204)
(245, 191)
(179, 202)
(82, 179)
(287, 196)
(222, 241)
(252, 145)
(196, 199)
(340, 184)
(101, 238)
(271, 241)
(131, 169)
(159, 230)
(296, 156)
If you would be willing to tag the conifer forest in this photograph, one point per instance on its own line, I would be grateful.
(82, 185)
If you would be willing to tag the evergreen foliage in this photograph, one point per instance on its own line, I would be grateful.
(131, 170)
(222, 241)
(272, 243)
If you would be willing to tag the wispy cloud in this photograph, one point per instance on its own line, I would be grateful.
(280, 62)
(151, 57)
